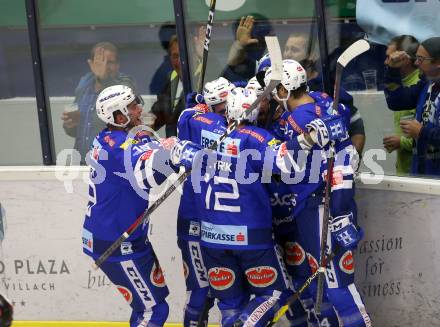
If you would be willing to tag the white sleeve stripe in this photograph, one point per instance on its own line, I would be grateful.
(144, 170)
(355, 117)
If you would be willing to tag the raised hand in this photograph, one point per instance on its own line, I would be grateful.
(244, 30)
(397, 59)
(98, 65)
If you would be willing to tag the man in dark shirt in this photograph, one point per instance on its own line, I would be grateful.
(83, 124)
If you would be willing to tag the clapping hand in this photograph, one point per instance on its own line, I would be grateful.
(411, 128)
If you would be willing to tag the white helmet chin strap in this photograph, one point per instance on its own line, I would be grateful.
(125, 124)
(283, 100)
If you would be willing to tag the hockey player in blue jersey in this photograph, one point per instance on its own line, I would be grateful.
(301, 108)
(116, 202)
(201, 124)
(236, 233)
(301, 313)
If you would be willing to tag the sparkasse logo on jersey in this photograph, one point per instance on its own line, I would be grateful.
(229, 147)
(224, 234)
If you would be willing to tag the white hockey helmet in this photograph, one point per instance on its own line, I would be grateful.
(294, 76)
(264, 63)
(253, 84)
(216, 91)
(238, 101)
(114, 98)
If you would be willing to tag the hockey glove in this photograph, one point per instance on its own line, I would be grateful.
(193, 99)
(344, 232)
(327, 129)
(183, 154)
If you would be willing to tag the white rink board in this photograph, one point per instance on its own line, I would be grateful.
(396, 269)
(44, 225)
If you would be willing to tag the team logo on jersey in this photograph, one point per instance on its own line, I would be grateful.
(346, 263)
(208, 138)
(156, 276)
(232, 149)
(109, 141)
(221, 278)
(224, 234)
(146, 155)
(87, 239)
(273, 142)
(126, 248)
(261, 276)
(295, 254)
(127, 143)
(125, 293)
(313, 263)
(194, 228)
(185, 269)
(229, 146)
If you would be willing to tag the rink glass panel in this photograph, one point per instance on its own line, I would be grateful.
(69, 29)
(68, 32)
(19, 133)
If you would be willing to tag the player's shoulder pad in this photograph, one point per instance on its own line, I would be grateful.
(113, 140)
(186, 114)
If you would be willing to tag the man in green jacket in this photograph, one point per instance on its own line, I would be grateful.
(410, 76)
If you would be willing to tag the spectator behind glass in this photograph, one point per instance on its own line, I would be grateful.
(301, 47)
(424, 95)
(83, 123)
(410, 76)
(248, 47)
(171, 100)
(160, 77)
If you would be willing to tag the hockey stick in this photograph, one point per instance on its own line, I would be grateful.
(354, 50)
(206, 45)
(282, 311)
(275, 54)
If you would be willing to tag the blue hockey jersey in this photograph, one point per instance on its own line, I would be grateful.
(282, 201)
(202, 129)
(239, 214)
(123, 170)
(294, 123)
